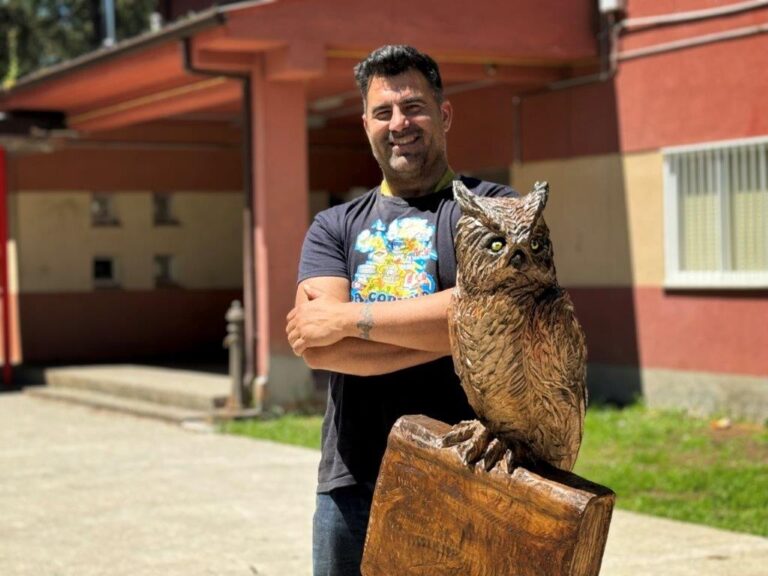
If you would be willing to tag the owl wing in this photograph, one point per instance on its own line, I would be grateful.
(461, 338)
(555, 363)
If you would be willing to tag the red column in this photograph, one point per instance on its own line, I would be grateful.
(280, 208)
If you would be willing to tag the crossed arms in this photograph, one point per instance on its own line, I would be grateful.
(332, 333)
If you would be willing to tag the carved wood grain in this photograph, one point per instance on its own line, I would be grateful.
(433, 516)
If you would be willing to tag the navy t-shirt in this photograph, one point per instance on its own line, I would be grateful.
(388, 248)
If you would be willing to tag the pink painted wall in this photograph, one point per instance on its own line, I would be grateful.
(701, 94)
(123, 324)
(576, 122)
(185, 156)
(706, 93)
(558, 29)
(340, 158)
(114, 170)
(719, 332)
(481, 135)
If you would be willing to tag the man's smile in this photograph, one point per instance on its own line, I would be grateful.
(403, 142)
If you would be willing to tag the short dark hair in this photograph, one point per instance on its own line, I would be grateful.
(391, 60)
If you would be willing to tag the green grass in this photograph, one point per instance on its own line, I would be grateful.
(295, 429)
(669, 464)
(661, 463)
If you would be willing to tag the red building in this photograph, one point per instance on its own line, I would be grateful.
(238, 122)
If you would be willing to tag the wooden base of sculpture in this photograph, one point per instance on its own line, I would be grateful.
(433, 516)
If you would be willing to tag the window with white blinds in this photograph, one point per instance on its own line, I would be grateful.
(716, 214)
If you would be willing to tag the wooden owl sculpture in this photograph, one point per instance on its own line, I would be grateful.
(516, 344)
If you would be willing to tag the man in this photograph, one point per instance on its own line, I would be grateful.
(375, 283)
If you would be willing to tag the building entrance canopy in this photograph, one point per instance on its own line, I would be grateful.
(275, 67)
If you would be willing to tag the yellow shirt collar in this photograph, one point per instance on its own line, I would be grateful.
(444, 181)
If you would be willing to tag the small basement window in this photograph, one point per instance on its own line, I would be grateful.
(165, 271)
(104, 272)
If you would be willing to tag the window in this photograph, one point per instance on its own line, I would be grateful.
(163, 209)
(104, 272)
(165, 273)
(716, 214)
(103, 210)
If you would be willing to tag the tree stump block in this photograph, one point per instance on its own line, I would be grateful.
(432, 515)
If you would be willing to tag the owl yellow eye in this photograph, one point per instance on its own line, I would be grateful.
(496, 244)
(536, 245)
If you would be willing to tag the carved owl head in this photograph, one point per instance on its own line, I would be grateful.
(503, 243)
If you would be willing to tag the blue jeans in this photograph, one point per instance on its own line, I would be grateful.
(338, 530)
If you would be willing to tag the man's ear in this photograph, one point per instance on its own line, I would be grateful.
(365, 122)
(447, 112)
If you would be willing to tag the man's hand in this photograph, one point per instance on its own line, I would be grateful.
(320, 321)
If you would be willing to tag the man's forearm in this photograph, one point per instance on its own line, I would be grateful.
(418, 323)
(321, 319)
(365, 357)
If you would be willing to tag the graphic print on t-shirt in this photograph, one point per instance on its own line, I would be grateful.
(397, 261)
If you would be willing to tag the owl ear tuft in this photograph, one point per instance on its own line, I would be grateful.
(466, 200)
(536, 199)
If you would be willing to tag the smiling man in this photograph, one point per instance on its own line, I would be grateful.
(375, 283)
(406, 122)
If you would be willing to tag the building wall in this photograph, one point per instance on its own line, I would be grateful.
(119, 325)
(117, 169)
(701, 94)
(64, 316)
(601, 148)
(606, 217)
(206, 243)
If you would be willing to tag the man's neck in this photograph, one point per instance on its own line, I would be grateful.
(410, 189)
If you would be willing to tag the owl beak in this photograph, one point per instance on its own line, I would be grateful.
(517, 260)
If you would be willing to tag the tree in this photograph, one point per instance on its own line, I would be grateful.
(39, 33)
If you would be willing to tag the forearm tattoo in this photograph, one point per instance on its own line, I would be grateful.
(365, 324)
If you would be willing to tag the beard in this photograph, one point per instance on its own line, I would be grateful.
(405, 156)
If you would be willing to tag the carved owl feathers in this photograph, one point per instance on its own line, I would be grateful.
(517, 346)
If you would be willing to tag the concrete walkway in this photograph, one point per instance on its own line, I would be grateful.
(85, 493)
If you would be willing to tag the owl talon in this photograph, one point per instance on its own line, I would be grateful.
(471, 441)
(506, 464)
(460, 432)
(493, 454)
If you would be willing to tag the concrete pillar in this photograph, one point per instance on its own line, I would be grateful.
(281, 198)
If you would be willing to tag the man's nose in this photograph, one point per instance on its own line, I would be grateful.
(398, 121)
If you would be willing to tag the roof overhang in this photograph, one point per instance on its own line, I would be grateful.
(513, 42)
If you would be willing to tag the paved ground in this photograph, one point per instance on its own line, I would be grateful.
(86, 493)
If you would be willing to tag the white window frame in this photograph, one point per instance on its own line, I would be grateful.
(674, 276)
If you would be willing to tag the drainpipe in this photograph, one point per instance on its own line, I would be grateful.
(633, 24)
(694, 41)
(254, 383)
(4, 284)
(108, 6)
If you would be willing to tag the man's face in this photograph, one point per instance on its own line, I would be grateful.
(406, 127)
